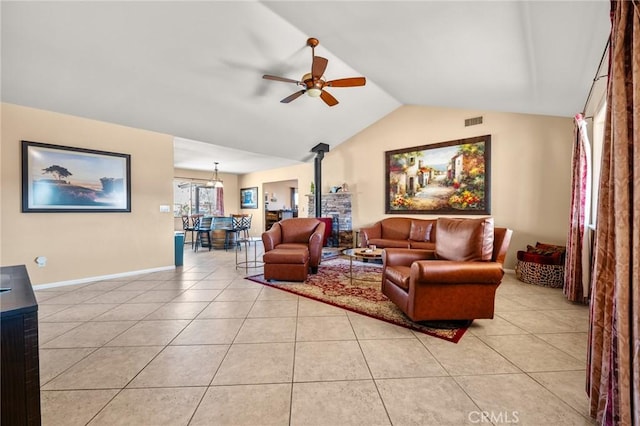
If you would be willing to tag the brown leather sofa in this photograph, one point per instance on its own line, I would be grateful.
(457, 280)
(400, 232)
(297, 233)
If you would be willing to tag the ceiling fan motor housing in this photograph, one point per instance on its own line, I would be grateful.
(312, 86)
(308, 81)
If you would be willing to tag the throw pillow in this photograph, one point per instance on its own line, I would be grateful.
(542, 259)
(420, 230)
(556, 248)
(547, 249)
(464, 240)
(540, 250)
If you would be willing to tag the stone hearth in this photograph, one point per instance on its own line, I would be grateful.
(336, 205)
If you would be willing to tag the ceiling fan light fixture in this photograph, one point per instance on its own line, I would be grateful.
(314, 92)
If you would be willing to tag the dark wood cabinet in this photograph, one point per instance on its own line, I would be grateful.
(273, 216)
(270, 217)
(19, 363)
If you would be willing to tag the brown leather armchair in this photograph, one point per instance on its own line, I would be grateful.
(457, 281)
(297, 233)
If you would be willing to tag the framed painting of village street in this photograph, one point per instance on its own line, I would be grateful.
(59, 178)
(452, 177)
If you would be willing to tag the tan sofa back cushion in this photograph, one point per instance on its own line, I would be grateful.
(396, 228)
(464, 240)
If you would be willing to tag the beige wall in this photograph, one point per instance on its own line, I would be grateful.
(83, 245)
(303, 173)
(530, 162)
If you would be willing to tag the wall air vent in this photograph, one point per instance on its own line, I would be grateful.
(472, 121)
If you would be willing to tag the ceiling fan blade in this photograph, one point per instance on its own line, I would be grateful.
(318, 66)
(276, 78)
(347, 82)
(293, 96)
(328, 98)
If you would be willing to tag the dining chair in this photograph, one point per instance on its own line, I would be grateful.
(187, 227)
(233, 234)
(245, 225)
(195, 224)
(204, 233)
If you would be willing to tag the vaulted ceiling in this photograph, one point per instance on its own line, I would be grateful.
(194, 69)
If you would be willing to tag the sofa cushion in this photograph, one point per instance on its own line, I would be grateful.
(464, 240)
(396, 228)
(420, 230)
(422, 245)
(386, 243)
(293, 246)
(287, 256)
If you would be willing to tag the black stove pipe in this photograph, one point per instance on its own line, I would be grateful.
(319, 149)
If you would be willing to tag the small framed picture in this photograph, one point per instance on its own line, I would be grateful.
(249, 198)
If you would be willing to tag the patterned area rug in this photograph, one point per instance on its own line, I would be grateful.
(332, 285)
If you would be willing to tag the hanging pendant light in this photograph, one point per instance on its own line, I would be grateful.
(215, 180)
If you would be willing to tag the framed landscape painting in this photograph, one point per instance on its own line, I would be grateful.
(249, 198)
(443, 178)
(58, 178)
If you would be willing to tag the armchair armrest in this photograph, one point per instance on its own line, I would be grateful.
(404, 257)
(315, 245)
(272, 237)
(451, 272)
(374, 231)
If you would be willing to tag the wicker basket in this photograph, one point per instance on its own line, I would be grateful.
(540, 274)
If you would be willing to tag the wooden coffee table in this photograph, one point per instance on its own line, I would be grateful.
(361, 254)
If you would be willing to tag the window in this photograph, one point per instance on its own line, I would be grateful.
(193, 197)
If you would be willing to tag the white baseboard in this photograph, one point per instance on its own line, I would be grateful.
(102, 277)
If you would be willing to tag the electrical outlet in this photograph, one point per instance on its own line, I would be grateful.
(41, 261)
(164, 208)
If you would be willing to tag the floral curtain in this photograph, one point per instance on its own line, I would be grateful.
(614, 335)
(577, 262)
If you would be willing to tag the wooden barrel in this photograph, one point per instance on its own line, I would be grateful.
(231, 239)
(218, 237)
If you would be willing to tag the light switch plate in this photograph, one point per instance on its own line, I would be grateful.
(165, 208)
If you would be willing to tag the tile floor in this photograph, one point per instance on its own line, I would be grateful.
(203, 346)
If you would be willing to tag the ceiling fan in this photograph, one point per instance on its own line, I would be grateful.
(314, 82)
